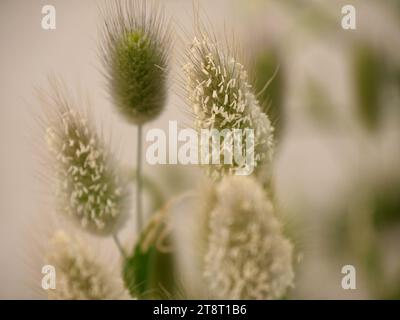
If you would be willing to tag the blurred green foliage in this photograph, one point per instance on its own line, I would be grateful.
(149, 274)
(387, 209)
(369, 76)
(372, 75)
(271, 99)
(356, 235)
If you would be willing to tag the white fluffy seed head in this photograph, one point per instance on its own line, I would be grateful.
(221, 97)
(89, 188)
(79, 276)
(248, 256)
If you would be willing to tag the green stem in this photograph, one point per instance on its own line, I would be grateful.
(148, 185)
(139, 181)
(119, 246)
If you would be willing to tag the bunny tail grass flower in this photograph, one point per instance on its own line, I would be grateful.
(79, 276)
(221, 97)
(135, 51)
(248, 257)
(135, 48)
(89, 186)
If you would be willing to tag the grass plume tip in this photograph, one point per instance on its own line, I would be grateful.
(220, 97)
(135, 48)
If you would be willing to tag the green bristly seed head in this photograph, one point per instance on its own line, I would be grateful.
(139, 80)
(135, 50)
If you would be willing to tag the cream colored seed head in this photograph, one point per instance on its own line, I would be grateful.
(219, 93)
(78, 274)
(248, 257)
(89, 188)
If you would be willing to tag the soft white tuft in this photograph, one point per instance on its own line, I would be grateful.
(79, 276)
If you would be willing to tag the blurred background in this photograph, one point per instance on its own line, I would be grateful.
(335, 103)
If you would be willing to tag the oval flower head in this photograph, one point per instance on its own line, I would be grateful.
(221, 98)
(79, 276)
(89, 186)
(248, 257)
(135, 46)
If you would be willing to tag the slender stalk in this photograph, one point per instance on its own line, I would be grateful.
(119, 246)
(139, 216)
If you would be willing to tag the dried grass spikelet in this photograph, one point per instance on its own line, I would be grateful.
(248, 256)
(79, 276)
(135, 47)
(220, 96)
(89, 187)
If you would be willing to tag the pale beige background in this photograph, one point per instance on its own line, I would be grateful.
(28, 55)
(317, 168)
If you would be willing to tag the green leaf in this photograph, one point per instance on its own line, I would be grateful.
(149, 273)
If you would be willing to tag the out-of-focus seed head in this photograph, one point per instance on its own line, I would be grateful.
(248, 256)
(79, 276)
(135, 48)
(88, 184)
